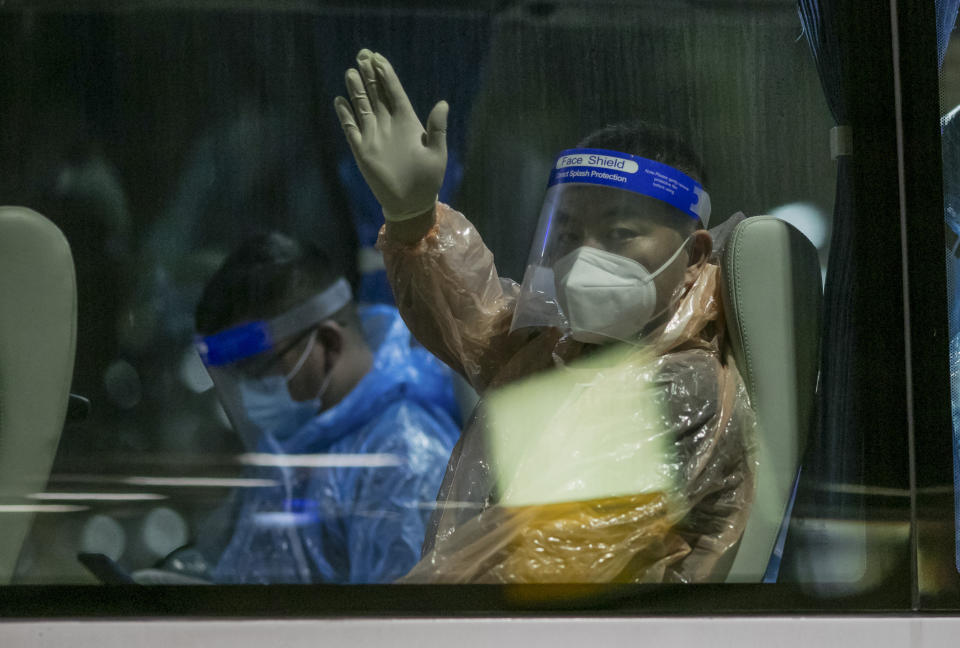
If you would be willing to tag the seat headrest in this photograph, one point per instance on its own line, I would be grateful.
(772, 293)
(38, 314)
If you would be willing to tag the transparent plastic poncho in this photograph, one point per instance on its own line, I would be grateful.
(675, 415)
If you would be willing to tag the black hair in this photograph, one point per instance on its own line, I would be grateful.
(654, 142)
(267, 275)
(651, 141)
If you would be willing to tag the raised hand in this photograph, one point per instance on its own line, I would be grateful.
(402, 163)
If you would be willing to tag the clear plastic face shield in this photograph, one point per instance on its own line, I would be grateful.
(252, 363)
(608, 258)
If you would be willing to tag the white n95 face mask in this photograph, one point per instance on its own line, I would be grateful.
(606, 296)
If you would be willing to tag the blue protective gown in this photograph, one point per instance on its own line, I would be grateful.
(352, 524)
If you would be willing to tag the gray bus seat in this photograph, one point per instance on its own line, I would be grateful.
(772, 294)
(38, 314)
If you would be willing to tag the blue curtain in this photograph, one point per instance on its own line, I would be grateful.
(834, 452)
(946, 20)
(950, 146)
(840, 450)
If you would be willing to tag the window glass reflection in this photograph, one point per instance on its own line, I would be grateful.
(163, 141)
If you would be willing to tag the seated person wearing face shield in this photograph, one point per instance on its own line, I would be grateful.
(347, 423)
(620, 260)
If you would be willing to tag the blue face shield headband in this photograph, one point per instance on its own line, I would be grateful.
(247, 340)
(632, 173)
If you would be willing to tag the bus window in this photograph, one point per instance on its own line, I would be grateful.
(617, 328)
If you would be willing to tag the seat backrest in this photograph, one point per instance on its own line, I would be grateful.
(38, 315)
(772, 293)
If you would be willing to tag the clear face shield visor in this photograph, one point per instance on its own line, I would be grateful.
(610, 225)
(244, 362)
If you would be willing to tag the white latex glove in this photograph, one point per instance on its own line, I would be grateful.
(402, 163)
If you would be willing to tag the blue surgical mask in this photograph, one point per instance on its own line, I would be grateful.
(268, 404)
